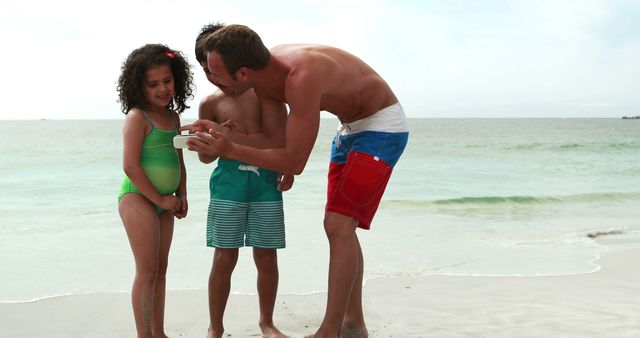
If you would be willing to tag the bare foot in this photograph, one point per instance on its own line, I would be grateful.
(272, 332)
(348, 331)
(212, 334)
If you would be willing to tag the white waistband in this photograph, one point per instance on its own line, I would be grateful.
(251, 168)
(390, 119)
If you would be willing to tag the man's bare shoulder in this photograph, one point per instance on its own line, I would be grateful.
(298, 48)
(302, 52)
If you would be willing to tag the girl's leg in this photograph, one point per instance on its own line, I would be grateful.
(143, 230)
(159, 290)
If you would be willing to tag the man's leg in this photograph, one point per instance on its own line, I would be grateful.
(343, 270)
(224, 261)
(266, 261)
(353, 325)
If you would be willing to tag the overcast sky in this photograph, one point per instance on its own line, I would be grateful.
(537, 58)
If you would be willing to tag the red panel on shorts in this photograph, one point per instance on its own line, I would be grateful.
(355, 188)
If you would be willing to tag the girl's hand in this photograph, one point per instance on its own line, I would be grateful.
(182, 210)
(170, 203)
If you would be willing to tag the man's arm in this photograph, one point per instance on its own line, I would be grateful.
(303, 95)
(273, 118)
(301, 133)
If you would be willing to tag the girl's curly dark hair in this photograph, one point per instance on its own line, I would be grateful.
(131, 81)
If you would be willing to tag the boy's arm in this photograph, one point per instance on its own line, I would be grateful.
(207, 111)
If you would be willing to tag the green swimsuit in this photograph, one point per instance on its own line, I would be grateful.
(160, 162)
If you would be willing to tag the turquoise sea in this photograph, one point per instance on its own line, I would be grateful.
(477, 197)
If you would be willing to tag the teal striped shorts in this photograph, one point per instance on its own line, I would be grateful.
(245, 207)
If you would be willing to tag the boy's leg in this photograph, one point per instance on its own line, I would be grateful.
(142, 225)
(166, 235)
(224, 261)
(266, 261)
(265, 233)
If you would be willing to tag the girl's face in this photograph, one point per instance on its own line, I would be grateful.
(159, 86)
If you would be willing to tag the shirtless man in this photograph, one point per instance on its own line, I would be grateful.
(370, 140)
(246, 201)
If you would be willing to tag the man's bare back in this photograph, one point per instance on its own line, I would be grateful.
(350, 88)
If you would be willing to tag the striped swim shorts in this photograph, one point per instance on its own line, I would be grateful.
(245, 207)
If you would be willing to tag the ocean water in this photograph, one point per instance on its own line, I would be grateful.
(476, 197)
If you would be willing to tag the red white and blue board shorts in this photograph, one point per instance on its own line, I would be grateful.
(363, 155)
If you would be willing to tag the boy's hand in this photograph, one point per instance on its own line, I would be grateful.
(199, 126)
(205, 126)
(285, 181)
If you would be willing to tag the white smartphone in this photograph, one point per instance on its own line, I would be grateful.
(180, 141)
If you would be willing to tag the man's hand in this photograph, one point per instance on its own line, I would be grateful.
(213, 143)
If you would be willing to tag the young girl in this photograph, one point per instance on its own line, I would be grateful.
(153, 87)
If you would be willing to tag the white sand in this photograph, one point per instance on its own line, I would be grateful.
(601, 304)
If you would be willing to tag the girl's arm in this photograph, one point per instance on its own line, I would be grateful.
(134, 130)
(181, 192)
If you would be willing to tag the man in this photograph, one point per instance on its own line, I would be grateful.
(246, 201)
(372, 136)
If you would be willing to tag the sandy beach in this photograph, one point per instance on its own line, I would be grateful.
(600, 304)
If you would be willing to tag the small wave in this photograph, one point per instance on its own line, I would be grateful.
(519, 200)
(604, 233)
(571, 146)
(598, 146)
(55, 296)
(589, 146)
(497, 200)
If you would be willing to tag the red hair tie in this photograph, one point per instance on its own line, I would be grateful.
(170, 55)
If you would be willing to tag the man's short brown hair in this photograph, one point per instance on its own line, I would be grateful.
(239, 46)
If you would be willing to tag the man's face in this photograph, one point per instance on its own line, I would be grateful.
(219, 76)
(206, 71)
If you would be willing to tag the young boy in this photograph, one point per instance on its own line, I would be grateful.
(246, 201)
